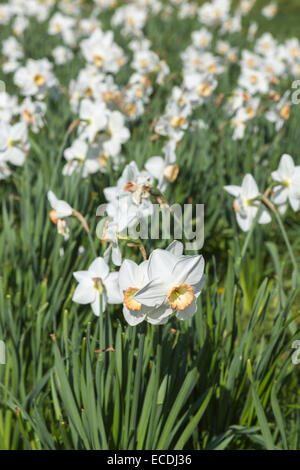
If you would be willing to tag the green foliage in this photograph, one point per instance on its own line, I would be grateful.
(222, 380)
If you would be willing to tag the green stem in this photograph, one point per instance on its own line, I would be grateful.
(289, 247)
(92, 244)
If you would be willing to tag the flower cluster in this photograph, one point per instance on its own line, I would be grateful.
(168, 283)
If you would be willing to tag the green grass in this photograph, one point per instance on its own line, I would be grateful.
(223, 380)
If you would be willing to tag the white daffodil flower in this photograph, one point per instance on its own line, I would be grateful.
(175, 282)
(288, 175)
(59, 214)
(110, 233)
(129, 201)
(13, 142)
(245, 204)
(118, 133)
(132, 278)
(97, 286)
(163, 170)
(93, 118)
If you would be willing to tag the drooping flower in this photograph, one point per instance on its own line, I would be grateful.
(59, 214)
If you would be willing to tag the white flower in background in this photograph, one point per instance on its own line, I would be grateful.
(12, 49)
(4, 170)
(173, 123)
(246, 6)
(93, 116)
(266, 45)
(188, 10)
(64, 25)
(8, 106)
(110, 234)
(244, 114)
(253, 28)
(117, 132)
(280, 112)
(139, 44)
(175, 281)
(245, 203)
(288, 175)
(79, 159)
(164, 170)
(253, 81)
(20, 24)
(101, 50)
(13, 143)
(35, 78)
(88, 25)
(232, 25)
(200, 86)
(59, 214)
(145, 61)
(270, 10)
(6, 13)
(129, 201)
(97, 285)
(131, 17)
(13, 53)
(62, 55)
(214, 12)
(132, 278)
(32, 113)
(201, 38)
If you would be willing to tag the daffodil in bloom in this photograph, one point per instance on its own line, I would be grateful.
(59, 214)
(13, 142)
(132, 278)
(97, 286)
(175, 282)
(288, 190)
(246, 203)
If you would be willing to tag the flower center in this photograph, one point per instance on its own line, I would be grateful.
(39, 80)
(181, 297)
(27, 116)
(52, 215)
(285, 111)
(129, 301)
(98, 61)
(98, 284)
(204, 89)
(171, 172)
(178, 121)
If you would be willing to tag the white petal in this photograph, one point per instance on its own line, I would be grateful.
(249, 187)
(161, 264)
(155, 166)
(128, 274)
(113, 289)
(133, 318)
(99, 267)
(83, 276)
(84, 293)
(187, 312)
(233, 190)
(176, 248)
(96, 304)
(188, 270)
(265, 217)
(152, 295)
